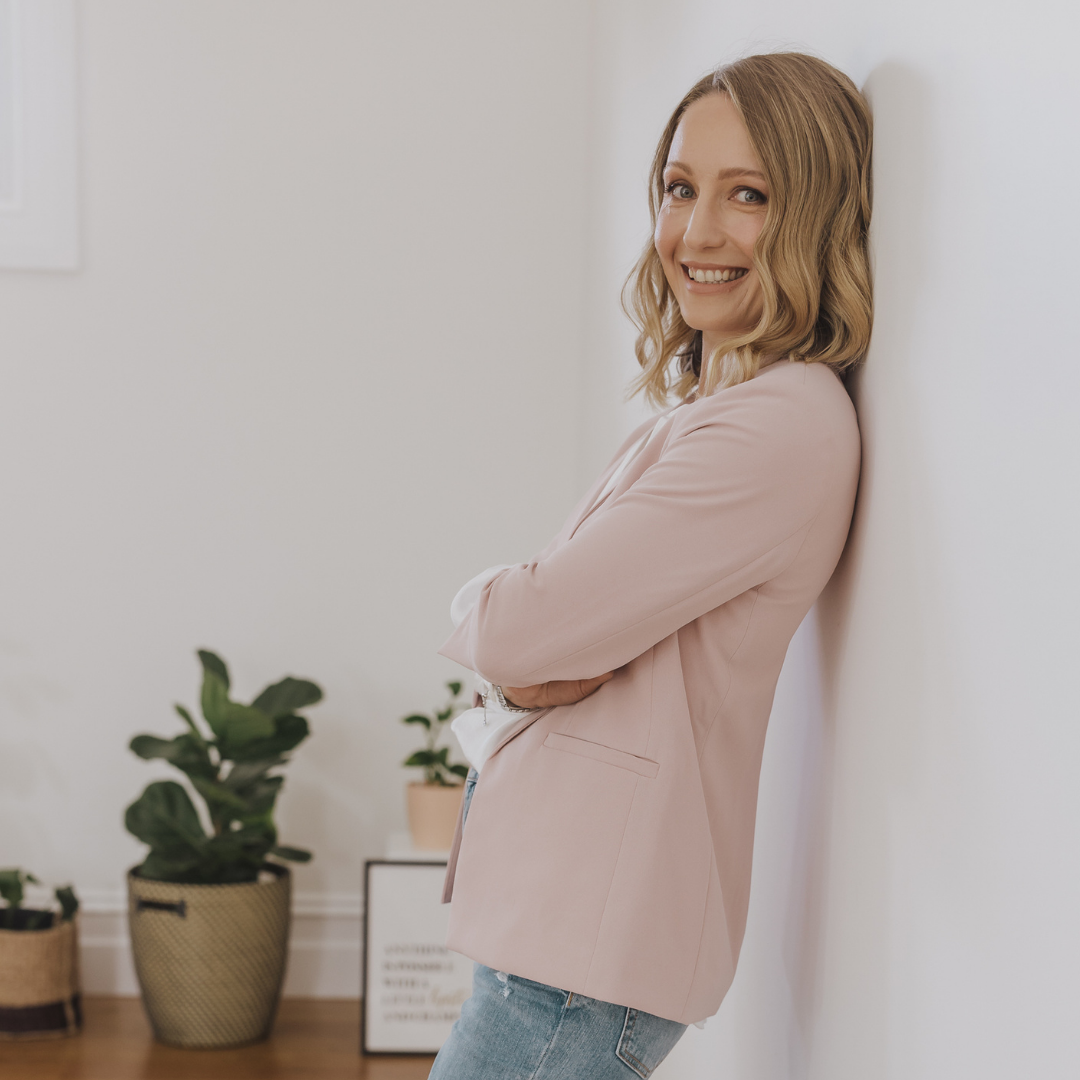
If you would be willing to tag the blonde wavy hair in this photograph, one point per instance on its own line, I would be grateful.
(812, 131)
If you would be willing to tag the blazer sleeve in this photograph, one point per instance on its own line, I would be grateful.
(724, 508)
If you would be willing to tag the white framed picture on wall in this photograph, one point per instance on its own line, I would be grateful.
(38, 136)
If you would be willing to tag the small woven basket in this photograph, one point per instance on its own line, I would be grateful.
(210, 958)
(39, 983)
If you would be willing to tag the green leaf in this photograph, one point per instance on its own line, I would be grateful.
(246, 777)
(185, 752)
(243, 724)
(289, 732)
(259, 798)
(417, 718)
(287, 696)
(184, 865)
(253, 837)
(236, 855)
(218, 797)
(245, 773)
(214, 701)
(291, 853)
(69, 904)
(11, 886)
(459, 770)
(150, 746)
(213, 662)
(454, 688)
(232, 723)
(421, 758)
(165, 818)
(444, 714)
(189, 720)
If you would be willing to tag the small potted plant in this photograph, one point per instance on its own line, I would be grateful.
(209, 907)
(435, 802)
(39, 963)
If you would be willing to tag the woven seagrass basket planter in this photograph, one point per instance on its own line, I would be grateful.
(210, 958)
(39, 982)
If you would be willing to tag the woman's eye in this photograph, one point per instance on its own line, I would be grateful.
(680, 189)
(750, 197)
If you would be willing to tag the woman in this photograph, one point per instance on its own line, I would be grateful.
(602, 881)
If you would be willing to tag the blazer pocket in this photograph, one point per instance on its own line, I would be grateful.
(643, 766)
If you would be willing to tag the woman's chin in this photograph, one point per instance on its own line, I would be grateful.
(712, 326)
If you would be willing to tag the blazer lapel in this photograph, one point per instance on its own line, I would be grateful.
(589, 503)
(653, 426)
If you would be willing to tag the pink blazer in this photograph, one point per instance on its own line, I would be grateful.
(608, 843)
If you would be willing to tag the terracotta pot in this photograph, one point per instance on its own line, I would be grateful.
(210, 958)
(39, 982)
(433, 814)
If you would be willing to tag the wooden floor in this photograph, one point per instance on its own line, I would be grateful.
(313, 1040)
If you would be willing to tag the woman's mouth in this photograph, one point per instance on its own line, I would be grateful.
(716, 276)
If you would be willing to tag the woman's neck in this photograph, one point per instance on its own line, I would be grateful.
(712, 340)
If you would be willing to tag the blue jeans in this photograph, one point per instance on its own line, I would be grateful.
(470, 787)
(516, 1029)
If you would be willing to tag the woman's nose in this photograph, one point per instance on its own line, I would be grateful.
(705, 229)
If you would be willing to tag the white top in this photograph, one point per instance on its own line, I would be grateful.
(477, 730)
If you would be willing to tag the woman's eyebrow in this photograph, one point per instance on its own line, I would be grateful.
(723, 174)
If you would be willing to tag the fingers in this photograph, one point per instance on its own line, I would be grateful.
(590, 686)
(572, 690)
(525, 697)
(545, 695)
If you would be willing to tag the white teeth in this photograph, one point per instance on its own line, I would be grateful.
(713, 277)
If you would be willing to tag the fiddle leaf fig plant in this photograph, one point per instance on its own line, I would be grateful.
(13, 916)
(434, 762)
(230, 767)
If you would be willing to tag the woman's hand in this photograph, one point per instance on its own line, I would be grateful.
(545, 695)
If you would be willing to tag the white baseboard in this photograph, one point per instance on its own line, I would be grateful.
(324, 951)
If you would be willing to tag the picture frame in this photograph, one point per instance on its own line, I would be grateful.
(38, 135)
(412, 985)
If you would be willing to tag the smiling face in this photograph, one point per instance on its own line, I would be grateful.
(715, 197)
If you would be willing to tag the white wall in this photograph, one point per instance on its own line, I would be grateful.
(244, 423)
(319, 366)
(917, 878)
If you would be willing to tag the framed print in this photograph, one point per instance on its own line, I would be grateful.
(38, 183)
(413, 985)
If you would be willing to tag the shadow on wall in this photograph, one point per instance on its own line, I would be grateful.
(869, 616)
